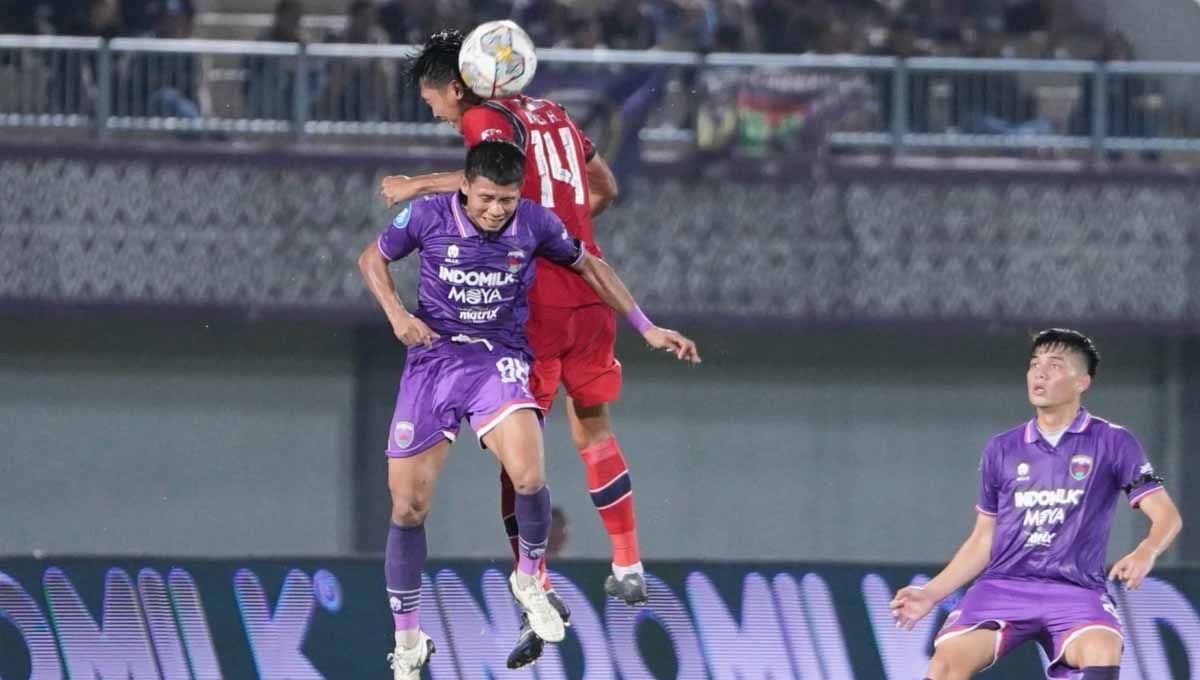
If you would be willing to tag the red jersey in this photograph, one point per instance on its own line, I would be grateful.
(555, 176)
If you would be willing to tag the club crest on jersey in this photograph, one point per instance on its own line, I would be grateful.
(452, 254)
(1081, 466)
(516, 260)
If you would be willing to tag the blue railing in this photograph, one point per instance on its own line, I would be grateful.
(755, 102)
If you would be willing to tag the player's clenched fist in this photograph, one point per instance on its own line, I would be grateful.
(683, 348)
(412, 332)
(395, 189)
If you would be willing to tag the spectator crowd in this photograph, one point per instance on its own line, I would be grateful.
(759, 108)
(938, 27)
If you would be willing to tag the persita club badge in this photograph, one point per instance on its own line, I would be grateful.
(1081, 466)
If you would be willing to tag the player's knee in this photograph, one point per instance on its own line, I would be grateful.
(409, 510)
(939, 667)
(527, 479)
(529, 484)
(946, 665)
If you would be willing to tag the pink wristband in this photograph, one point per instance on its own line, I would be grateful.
(638, 319)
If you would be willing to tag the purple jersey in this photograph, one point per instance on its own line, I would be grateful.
(474, 282)
(1054, 504)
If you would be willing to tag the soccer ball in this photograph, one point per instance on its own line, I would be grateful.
(497, 59)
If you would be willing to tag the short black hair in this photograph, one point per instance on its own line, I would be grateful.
(1072, 340)
(500, 161)
(437, 62)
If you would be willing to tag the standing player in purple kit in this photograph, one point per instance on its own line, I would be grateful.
(469, 357)
(1047, 493)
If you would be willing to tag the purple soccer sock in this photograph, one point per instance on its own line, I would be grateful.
(404, 558)
(1101, 673)
(533, 529)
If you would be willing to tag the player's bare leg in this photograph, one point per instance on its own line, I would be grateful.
(411, 482)
(612, 494)
(517, 443)
(529, 647)
(1097, 653)
(961, 657)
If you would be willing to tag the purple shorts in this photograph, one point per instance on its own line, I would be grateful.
(461, 378)
(1052, 614)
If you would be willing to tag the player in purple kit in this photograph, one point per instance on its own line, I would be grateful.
(468, 357)
(1048, 490)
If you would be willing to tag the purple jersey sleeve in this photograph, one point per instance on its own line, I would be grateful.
(1135, 474)
(404, 234)
(989, 487)
(553, 241)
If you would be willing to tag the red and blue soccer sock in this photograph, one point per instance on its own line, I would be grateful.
(1101, 673)
(533, 526)
(404, 559)
(612, 494)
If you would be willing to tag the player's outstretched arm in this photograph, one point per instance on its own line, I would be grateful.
(408, 329)
(1165, 524)
(602, 185)
(604, 280)
(402, 188)
(911, 604)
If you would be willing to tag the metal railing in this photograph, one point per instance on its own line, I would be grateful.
(760, 101)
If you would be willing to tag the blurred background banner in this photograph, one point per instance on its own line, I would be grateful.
(305, 618)
(276, 233)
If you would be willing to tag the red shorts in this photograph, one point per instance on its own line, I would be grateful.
(573, 346)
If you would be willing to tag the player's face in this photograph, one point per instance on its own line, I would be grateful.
(490, 205)
(1056, 376)
(446, 101)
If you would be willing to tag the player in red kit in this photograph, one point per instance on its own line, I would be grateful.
(571, 331)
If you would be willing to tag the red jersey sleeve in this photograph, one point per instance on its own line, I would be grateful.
(482, 123)
(589, 149)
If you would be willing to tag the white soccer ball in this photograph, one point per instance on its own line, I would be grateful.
(497, 59)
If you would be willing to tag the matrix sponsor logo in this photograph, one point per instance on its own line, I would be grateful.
(479, 315)
(1040, 539)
